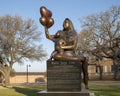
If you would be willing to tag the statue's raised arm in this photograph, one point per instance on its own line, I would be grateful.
(48, 36)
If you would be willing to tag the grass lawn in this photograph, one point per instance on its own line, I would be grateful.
(105, 90)
(31, 90)
(26, 90)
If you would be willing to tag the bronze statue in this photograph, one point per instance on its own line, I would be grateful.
(65, 42)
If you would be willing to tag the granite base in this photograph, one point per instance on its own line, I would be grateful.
(65, 93)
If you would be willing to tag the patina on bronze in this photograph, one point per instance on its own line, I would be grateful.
(65, 41)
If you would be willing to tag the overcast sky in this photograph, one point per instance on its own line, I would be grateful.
(61, 9)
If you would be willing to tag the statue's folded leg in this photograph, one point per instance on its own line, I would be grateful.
(85, 73)
(81, 59)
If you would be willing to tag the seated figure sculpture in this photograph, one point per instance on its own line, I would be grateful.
(65, 43)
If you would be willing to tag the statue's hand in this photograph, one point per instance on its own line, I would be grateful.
(61, 46)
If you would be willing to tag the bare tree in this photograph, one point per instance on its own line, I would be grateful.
(85, 42)
(19, 40)
(105, 27)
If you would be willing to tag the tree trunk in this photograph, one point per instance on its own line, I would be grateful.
(6, 73)
(7, 76)
(7, 79)
(101, 72)
(115, 69)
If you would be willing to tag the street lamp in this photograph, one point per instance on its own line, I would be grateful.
(27, 72)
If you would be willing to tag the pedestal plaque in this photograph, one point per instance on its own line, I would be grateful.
(63, 76)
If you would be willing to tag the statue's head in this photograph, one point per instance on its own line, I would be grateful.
(67, 24)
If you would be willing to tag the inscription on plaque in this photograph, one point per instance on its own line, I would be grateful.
(64, 75)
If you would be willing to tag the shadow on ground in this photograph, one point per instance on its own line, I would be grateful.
(26, 91)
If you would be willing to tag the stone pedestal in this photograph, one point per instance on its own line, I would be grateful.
(63, 79)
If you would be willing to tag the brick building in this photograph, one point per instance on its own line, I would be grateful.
(106, 69)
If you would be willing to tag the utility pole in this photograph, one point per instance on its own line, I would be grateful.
(27, 72)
